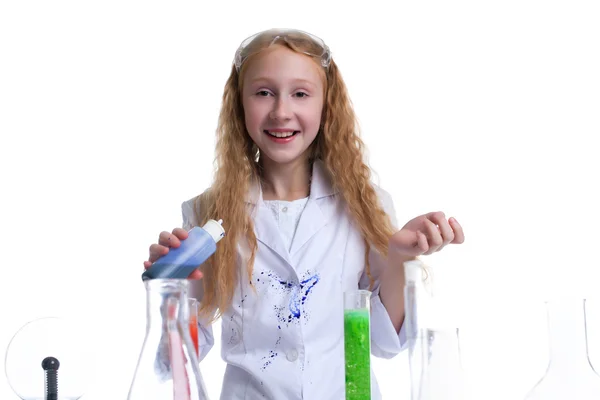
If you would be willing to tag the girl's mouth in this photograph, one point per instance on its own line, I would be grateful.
(281, 135)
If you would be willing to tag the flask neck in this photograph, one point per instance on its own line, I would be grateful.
(417, 309)
(168, 366)
(567, 335)
(166, 303)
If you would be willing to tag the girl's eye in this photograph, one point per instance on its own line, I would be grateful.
(301, 94)
(263, 93)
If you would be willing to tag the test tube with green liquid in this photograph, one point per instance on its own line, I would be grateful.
(357, 344)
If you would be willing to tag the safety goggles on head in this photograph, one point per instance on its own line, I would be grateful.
(301, 41)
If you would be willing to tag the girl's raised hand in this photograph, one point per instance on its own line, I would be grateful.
(426, 235)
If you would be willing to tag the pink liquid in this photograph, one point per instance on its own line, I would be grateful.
(194, 332)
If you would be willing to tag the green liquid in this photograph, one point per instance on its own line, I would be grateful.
(358, 354)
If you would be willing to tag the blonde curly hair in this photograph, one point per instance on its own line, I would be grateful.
(237, 165)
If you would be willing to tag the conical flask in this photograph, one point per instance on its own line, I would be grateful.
(442, 376)
(432, 339)
(168, 367)
(569, 374)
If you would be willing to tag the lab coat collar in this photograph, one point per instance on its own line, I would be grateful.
(312, 220)
(321, 185)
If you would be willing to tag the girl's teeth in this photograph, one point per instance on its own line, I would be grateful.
(281, 134)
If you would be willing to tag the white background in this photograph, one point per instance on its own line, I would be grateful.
(488, 111)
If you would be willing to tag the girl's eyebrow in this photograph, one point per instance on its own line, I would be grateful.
(294, 81)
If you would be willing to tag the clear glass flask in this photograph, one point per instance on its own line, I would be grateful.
(168, 366)
(435, 366)
(357, 344)
(416, 303)
(442, 374)
(569, 374)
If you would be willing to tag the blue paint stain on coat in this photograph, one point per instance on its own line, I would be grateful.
(289, 298)
(298, 294)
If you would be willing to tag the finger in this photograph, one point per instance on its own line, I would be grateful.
(147, 264)
(436, 216)
(157, 251)
(434, 237)
(422, 243)
(444, 228)
(180, 233)
(164, 239)
(459, 236)
(196, 274)
(168, 239)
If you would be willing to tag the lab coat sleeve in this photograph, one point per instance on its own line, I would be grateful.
(385, 341)
(206, 338)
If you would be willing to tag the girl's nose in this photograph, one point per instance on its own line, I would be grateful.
(281, 111)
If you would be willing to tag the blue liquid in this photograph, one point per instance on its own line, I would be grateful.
(179, 263)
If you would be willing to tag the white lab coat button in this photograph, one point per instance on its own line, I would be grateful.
(284, 209)
(292, 355)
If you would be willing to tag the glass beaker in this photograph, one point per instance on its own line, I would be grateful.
(442, 375)
(357, 344)
(193, 304)
(168, 366)
(569, 374)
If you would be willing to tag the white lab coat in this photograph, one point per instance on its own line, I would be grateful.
(286, 341)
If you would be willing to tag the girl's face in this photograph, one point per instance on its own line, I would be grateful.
(282, 96)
